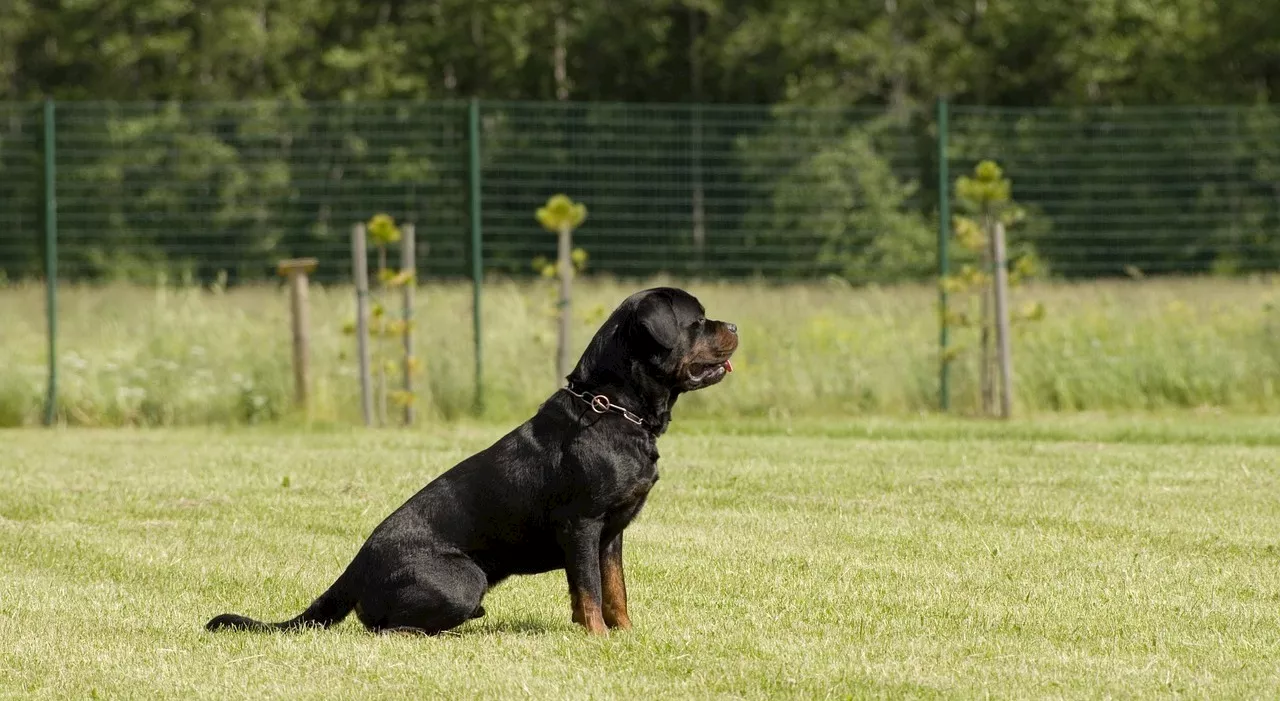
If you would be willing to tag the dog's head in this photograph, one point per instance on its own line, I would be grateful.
(660, 337)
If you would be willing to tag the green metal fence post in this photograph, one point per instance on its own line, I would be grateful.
(944, 236)
(51, 260)
(477, 260)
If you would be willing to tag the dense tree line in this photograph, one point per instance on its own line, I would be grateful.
(844, 52)
(835, 176)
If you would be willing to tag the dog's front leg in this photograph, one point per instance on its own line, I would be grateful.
(580, 540)
(614, 586)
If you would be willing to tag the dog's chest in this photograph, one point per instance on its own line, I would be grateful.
(631, 491)
(640, 488)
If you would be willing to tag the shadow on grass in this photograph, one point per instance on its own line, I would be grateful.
(510, 626)
(504, 627)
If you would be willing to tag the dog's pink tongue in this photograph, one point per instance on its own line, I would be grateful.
(728, 366)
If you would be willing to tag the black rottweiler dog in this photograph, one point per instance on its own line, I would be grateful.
(554, 493)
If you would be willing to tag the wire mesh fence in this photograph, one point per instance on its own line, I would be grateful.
(201, 190)
(1128, 191)
(220, 192)
(207, 189)
(21, 194)
(698, 190)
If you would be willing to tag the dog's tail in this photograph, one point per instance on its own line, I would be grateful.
(330, 608)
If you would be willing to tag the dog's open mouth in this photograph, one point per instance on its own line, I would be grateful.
(702, 373)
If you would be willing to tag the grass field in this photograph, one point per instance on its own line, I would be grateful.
(1087, 556)
(141, 356)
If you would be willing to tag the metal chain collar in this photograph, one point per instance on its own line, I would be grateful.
(600, 404)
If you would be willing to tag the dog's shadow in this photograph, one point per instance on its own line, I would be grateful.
(509, 626)
(489, 627)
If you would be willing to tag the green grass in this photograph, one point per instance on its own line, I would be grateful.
(1088, 557)
(139, 356)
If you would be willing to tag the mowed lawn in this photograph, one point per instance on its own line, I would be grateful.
(1055, 557)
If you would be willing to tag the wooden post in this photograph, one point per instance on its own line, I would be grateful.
(1002, 321)
(944, 258)
(381, 386)
(565, 265)
(297, 270)
(360, 272)
(987, 362)
(562, 216)
(408, 268)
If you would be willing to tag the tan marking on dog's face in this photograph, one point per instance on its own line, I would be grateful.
(713, 344)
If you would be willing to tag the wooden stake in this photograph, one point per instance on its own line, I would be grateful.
(986, 368)
(382, 385)
(296, 270)
(360, 272)
(565, 265)
(1002, 322)
(408, 267)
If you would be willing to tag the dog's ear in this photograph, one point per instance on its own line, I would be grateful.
(656, 318)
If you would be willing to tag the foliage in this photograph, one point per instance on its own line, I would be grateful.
(987, 197)
(547, 269)
(199, 188)
(769, 51)
(168, 176)
(559, 212)
(1134, 190)
(383, 230)
(988, 194)
(847, 204)
(267, 178)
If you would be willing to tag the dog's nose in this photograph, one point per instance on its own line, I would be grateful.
(733, 328)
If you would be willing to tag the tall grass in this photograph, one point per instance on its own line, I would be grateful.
(161, 356)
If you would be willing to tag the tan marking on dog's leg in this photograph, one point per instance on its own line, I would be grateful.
(614, 587)
(586, 613)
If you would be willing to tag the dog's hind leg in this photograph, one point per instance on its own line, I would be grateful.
(431, 595)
